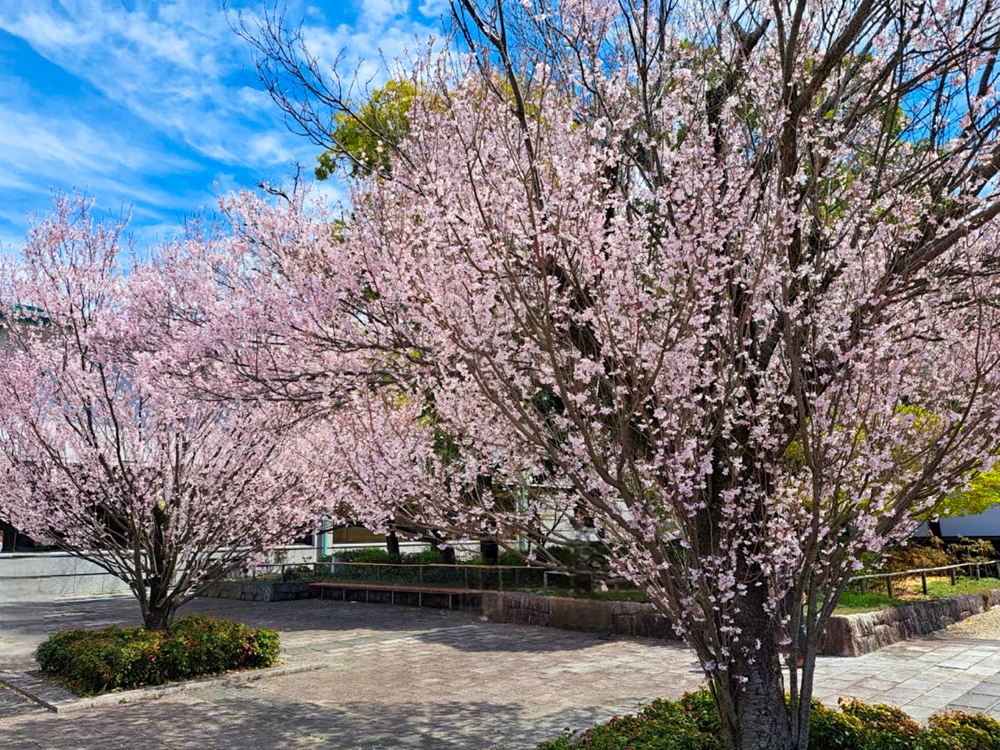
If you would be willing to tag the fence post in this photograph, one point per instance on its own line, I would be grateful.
(545, 581)
(977, 572)
(998, 568)
(923, 581)
(888, 585)
(952, 572)
(864, 585)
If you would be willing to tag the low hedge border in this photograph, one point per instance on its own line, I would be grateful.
(92, 662)
(692, 723)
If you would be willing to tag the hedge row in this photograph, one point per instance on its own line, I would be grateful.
(91, 662)
(693, 724)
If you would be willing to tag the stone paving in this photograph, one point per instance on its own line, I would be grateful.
(12, 704)
(432, 680)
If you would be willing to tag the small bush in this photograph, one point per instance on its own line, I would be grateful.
(91, 662)
(692, 723)
(366, 555)
(662, 725)
(830, 729)
(957, 730)
(972, 550)
(915, 556)
(885, 727)
(426, 557)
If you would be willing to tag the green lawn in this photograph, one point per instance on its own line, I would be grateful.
(853, 601)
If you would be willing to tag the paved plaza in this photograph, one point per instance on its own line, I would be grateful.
(394, 677)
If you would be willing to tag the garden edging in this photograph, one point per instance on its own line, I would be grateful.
(57, 700)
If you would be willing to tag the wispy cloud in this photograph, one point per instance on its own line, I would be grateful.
(154, 103)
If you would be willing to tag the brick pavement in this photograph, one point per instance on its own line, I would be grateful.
(431, 680)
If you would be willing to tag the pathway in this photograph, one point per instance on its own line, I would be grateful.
(404, 678)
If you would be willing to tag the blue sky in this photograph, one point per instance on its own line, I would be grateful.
(153, 105)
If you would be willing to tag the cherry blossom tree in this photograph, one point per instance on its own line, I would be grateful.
(103, 457)
(726, 274)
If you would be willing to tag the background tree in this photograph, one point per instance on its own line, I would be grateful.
(100, 456)
(982, 493)
(364, 137)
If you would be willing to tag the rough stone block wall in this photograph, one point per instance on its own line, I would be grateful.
(641, 620)
(591, 615)
(258, 591)
(853, 635)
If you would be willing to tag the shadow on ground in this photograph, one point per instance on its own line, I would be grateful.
(238, 719)
(23, 625)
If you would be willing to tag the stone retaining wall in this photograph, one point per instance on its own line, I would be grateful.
(258, 591)
(853, 635)
(846, 635)
(592, 615)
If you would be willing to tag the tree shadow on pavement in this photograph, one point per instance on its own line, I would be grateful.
(236, 719)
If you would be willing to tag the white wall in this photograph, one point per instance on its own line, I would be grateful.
(39, 576)
(42, 576)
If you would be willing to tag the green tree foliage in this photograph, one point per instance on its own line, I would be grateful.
(365, 137)
(982, 493)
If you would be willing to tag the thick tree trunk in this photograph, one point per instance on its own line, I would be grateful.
(447, 555)
(158, 617)
(754, 686)
(489, 550)
(392, 543)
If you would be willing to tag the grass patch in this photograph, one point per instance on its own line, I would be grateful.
(907, 591)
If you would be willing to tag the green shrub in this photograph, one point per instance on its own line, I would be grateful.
(693, 724)
(957, 730)
(662, 725)
(830, 729)
(510, 558)
(366, 555)
(298, 573)
(563, 555)
(91, 662)
(885, 727)
(425, 557)
(972, 550)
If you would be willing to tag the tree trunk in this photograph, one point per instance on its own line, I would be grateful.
(762, 720)
(158, 617)
(489, 550)
(447, 555)
(392, 543)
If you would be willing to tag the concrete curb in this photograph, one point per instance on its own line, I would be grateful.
(57, 700)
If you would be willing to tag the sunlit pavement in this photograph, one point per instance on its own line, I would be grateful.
(407, 678)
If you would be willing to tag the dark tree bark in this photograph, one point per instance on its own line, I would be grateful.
(159, 617)
(392, 543)
(489, 550)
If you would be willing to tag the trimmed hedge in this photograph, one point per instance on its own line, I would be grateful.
(91, 662)
(692, 724)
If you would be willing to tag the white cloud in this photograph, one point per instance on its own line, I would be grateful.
(179, 66)
(434, 8)
(182, 76)
(172, 64)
